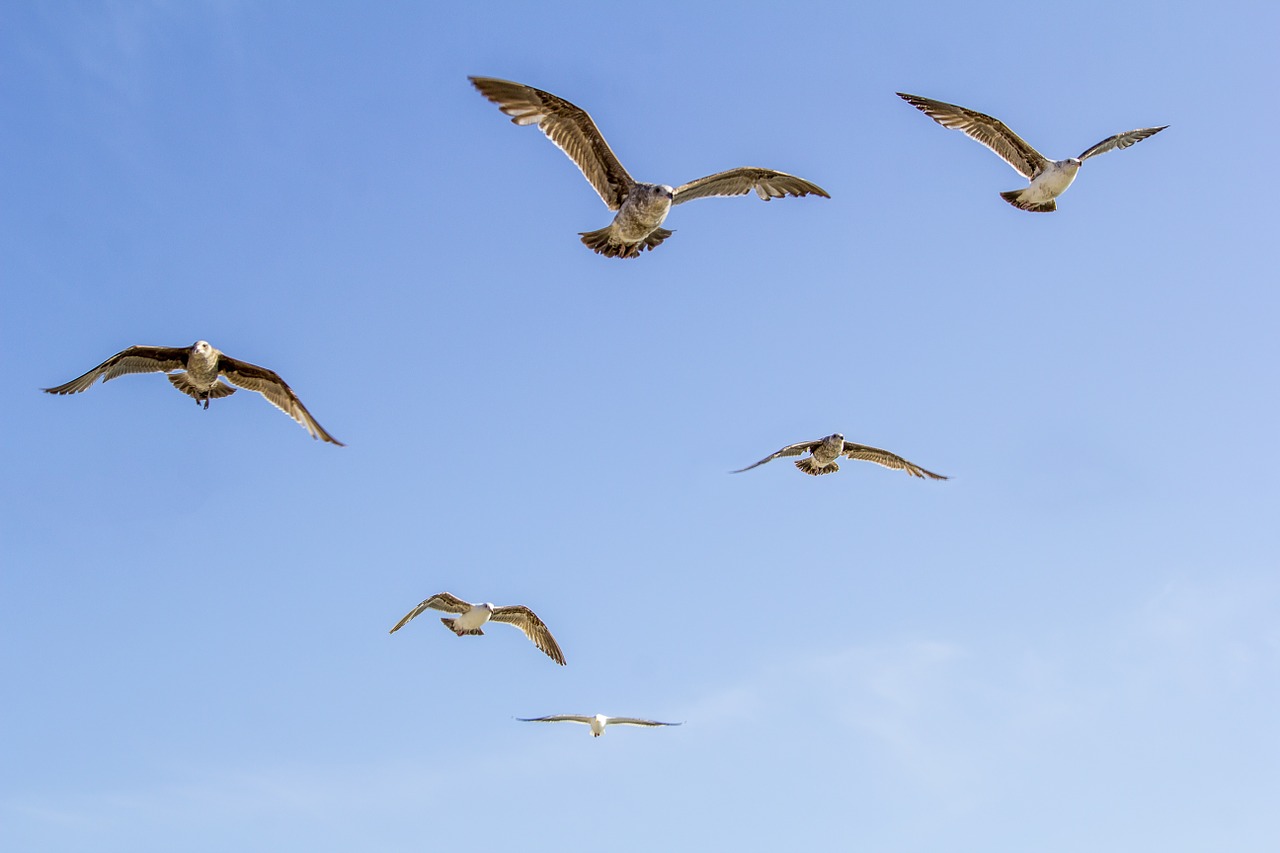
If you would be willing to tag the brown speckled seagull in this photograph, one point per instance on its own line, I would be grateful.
(1049, 178)
(825, 451)
(472, 616)
(202, 365)
(641, 208)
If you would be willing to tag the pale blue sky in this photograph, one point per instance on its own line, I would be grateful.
(1071, 645)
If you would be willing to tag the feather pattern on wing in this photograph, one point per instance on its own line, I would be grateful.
(569, 127)
(1120, 141)
(443, 601)
(887, 459)
(984, 129)
(533, 627)
(557, 718)
(133, 360)
(767, 183)
(636, 721)
(789, 450)
(269, 384)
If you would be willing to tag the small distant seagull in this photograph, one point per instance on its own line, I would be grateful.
(597, 721)
(1049, 178)
(203, 365)
(827, 450)
(472, 616)
(641, 207)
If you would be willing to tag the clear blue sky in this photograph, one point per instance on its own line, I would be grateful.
(1074, 644)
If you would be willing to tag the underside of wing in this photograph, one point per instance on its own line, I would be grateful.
(557, 718)
(269, 384)
(636, 721)
(887, 459)
(982, 128)
(533, 627)
(442, 601)
(569, 127)
(132, 360)
(767, 184)
(789, 450)
(1120, 141)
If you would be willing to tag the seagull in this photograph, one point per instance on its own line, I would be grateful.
(597, 721)
(1049, 178)
(202, 365)
(472, 616)
(825, 452)
(641, 207)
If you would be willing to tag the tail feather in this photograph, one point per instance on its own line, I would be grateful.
(474, 632)
(1014, 197)
(808, 466)
(183, 383)
(602, 242)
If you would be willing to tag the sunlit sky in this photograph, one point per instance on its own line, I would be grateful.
(1073, 644)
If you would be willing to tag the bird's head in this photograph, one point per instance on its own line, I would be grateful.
(203, 347)
(837, 436)
(665, 191)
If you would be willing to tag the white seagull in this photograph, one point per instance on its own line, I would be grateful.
(1049, 178)
(825, 451)
(472, 616)
(642, 208)
(596, 721)
(202, 365)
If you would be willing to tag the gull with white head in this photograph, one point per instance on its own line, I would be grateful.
(641, 207)
(471, 616)
(1049, 178)
(597, 722)
(202, 365)
(825, 451)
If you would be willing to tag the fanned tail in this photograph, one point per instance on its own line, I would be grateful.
(602, 242)
(808, 466)
(474, 632)
(183, 383)
(1014, 197)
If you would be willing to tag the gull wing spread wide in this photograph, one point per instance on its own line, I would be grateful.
(441, 601)
(132, 360)
(269, 384)
(569, 127)
(533, 627)
(558, 718)
(887, 459)
(789, 450)
(767, 184)
(1120, 141)
(982, 128)
(636, 721)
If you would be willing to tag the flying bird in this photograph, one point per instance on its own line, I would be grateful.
(472, 616)
(597, 721)
(202, 365)
(825, 451)
(641, 207)
(1049, 178)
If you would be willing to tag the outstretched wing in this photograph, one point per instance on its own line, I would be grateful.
(269, 384)
(533, 627)
(767, 183)
(982, 128)
(636, 721)
(569, 127)
(441, 601)
(789, 450)
(557, 718)
(132, 360)
(887, 459)
(1120, 141)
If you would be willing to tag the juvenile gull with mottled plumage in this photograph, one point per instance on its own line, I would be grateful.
(472, 616)
(641, 207)
(825, 451)
(1049, 178)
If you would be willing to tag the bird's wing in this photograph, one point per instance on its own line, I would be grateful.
(569, 127)
(132, 360)
(766, 182)
(1120, 141)
(441, 601)
(533, 627)
(982, 128)
(887, 459)
(636, 721)
(269, 384)
(557, 718)
(789, 450)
